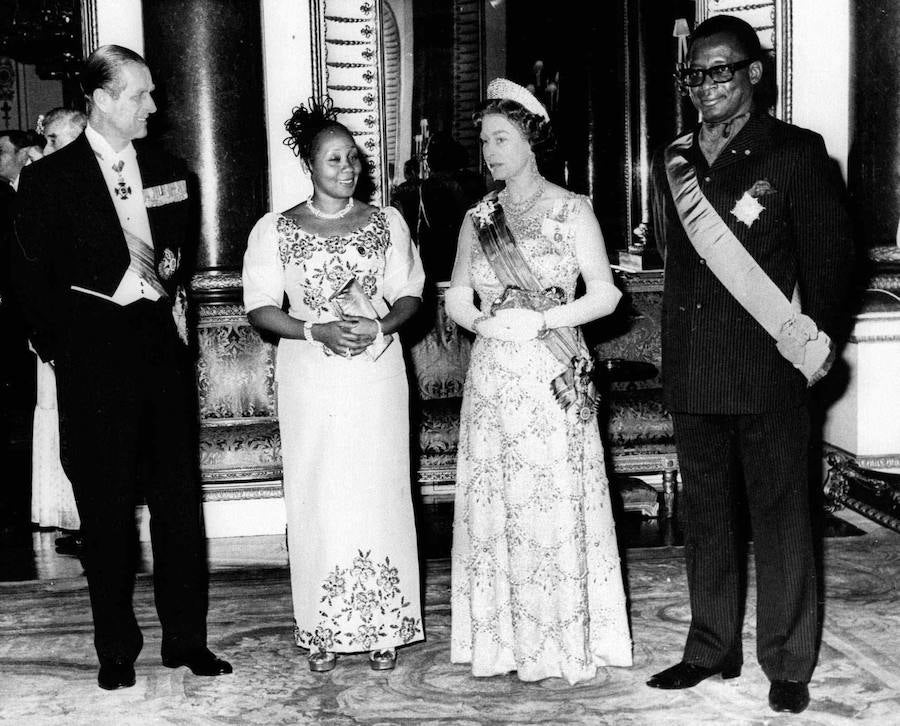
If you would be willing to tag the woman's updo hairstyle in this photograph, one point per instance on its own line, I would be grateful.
(536, 129)
(307, 121)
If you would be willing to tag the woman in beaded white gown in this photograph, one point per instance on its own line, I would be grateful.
(536, 578)
(343, 417)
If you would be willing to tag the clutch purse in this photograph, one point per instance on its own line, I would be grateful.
(537, 300)
(351, 300)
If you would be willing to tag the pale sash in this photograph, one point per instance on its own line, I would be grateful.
(809, 349)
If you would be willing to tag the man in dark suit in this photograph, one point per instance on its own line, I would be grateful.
(17, 149)
(749, 213)
(101, 225)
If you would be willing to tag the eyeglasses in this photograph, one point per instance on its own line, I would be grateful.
(693, 77)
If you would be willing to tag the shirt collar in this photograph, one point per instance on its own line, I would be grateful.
(102, 148)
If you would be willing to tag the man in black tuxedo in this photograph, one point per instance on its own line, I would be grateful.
(101, 225)
(749, 214)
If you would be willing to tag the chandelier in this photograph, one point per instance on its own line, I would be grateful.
(43, 33)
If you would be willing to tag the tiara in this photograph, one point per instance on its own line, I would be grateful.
(503, 88)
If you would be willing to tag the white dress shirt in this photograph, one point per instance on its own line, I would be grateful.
(131, 211)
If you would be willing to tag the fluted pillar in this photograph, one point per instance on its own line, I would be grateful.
(874, 162)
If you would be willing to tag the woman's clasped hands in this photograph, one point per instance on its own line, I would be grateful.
(514, 325)
(346, 337)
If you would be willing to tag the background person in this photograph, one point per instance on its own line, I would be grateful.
(52, 498)
(343, 416)
(17, 150)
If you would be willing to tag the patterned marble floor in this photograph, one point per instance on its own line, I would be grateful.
(48, 673)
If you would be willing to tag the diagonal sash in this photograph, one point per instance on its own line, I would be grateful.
(142, 262)
(574, 385)
(805, 346)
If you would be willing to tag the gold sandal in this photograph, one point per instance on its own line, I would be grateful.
(383, 660)
(322, 661)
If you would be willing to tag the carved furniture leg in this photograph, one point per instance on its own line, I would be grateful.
(669, 483)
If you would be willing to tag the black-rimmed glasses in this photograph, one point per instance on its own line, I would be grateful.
(693, 77)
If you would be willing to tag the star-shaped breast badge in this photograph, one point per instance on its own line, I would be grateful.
(747, 209)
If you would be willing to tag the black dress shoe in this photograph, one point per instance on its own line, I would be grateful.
(115, 674)
(201, 663)
(792, 696)
(688, 675)
(71, 544)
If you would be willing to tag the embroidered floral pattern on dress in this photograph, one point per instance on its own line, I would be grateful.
(328, 262)
(362, 606)
(536, 583)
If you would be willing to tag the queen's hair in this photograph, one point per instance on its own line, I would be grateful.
(536, 130)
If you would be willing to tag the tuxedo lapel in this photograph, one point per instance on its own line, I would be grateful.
(93, 197)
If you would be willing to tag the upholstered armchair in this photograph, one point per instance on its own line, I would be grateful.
(638, 430)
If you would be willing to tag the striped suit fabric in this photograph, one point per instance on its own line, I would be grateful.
(739, 408)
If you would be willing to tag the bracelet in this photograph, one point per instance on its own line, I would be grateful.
(380, 329)
(307, 330)
(479, 319)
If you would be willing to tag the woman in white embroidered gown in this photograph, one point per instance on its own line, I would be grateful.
(536, 578)
(343, 416)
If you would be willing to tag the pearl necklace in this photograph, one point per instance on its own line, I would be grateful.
(316, 212)
(527, 203)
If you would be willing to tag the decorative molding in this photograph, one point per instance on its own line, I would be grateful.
(773, 22)
(640, 281)
(216, 281)
(348, 66)
(229, 492)
(867, 461)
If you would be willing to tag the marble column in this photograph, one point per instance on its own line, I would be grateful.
(206, 57)
(874, 161)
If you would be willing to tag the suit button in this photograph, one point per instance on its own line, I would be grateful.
(699, 305)
(707, 179)
(702, 261)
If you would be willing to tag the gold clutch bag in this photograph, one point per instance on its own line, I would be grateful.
(351, 300)
(537, 300)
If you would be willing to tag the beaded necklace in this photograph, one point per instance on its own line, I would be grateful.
(526, 204)
(316, 212)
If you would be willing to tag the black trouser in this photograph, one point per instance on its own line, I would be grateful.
(128, 428)
(770, 450)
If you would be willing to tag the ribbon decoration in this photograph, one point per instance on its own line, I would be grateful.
(797, 338)
(575, 385)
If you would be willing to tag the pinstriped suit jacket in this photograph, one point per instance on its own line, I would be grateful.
(716, 359)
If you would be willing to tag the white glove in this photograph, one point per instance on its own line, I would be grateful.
(459, 304)
(515, 325)
(805, 346)
(600, 299)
